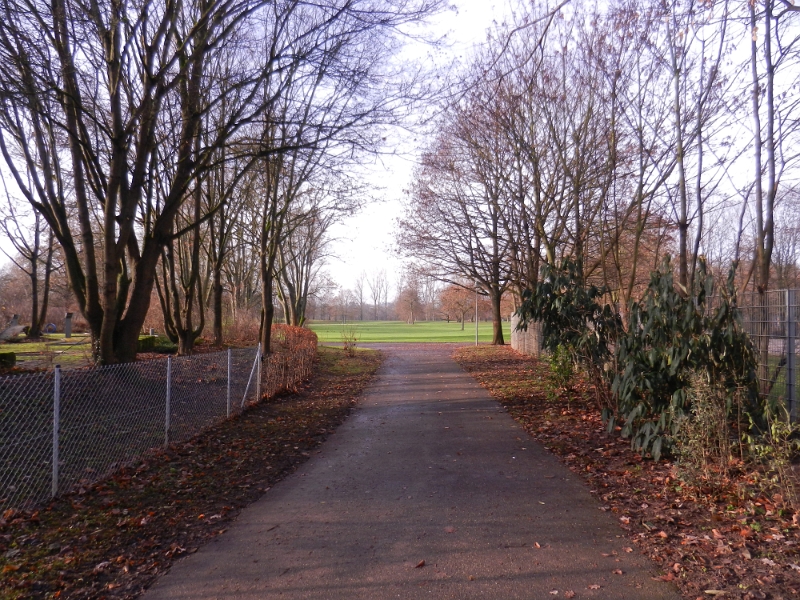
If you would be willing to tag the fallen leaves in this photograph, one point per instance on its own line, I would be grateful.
(420, 564)
(717, 541)
(114, 538)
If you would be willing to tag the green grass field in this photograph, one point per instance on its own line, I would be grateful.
(400, 331)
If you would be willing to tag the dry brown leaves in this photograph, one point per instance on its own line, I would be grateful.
(709, 546)
(113, 539)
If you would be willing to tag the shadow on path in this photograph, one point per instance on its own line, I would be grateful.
(428, 468)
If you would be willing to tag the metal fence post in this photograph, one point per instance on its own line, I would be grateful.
(791, 335)
(229, 383)
(169, 398)
(56, 425)
(260, 359)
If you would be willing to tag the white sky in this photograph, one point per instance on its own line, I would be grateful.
(364, 241)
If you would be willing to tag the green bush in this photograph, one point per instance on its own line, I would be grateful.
(573, 319)
(165, 346)
(561, 367)
(670, 337)
(157, 344)
(146, 344)
(7, 360)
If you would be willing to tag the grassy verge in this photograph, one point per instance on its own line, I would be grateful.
(113, 539)
(709, 544)
(49, 350)
(399, 331)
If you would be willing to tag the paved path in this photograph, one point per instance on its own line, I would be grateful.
(428, 468)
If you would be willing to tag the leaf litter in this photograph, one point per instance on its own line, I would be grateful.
(113, 539)
(707, 544)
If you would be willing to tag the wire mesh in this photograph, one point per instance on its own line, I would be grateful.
(242, 361)
(772, 320)
(110, 416)
(198, 398)
(26, 439)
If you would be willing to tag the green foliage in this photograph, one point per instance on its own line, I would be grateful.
(561, 367)
(573, 318)
(562, 371)
(158, 344)
(670, 337)
(146, 344)
(7, 360)
(570, 313)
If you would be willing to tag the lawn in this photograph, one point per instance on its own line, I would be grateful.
(50, 350)
(400, 331)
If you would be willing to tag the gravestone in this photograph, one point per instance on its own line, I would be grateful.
(13, 329)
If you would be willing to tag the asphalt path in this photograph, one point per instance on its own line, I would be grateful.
(428, 490)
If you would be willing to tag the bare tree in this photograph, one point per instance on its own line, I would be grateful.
(299, 263)
(453, 224)
(773, 52)
(378, 289)
(458, 300)
(408, 299)
(359, 291)
(32, 258)
(91, 95)
(329, 106)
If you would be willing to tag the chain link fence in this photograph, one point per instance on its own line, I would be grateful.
(63, 429)
(772, 320)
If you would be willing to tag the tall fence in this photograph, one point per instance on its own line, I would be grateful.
(61, 429)
(773, 323)
(772, 320)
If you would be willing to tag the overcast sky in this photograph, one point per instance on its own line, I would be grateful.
(364, 241)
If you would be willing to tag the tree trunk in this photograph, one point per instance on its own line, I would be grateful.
(35, 330)
(48, 269)
(216, 300)
(268, 313)
(497, 319)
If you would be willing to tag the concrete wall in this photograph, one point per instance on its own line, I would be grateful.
(527, 342)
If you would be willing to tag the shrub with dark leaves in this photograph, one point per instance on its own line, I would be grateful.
(672, 335)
